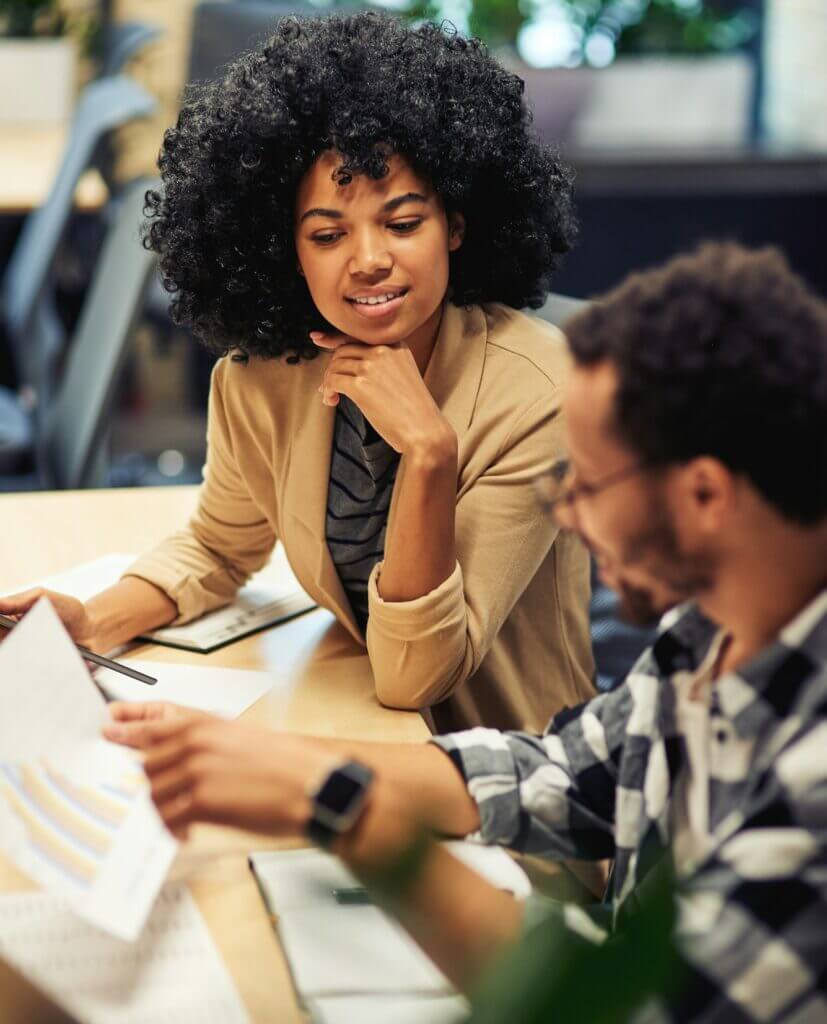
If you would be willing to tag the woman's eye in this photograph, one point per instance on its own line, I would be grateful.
(327, 238)
(404, 227)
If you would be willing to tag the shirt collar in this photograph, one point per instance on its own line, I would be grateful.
(770, 687)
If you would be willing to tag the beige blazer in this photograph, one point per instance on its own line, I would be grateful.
(504, 642)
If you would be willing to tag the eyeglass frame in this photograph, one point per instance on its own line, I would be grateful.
(580, 490)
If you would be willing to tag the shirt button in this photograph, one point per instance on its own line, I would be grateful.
(721, 736)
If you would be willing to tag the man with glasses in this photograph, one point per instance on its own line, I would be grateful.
(696, 419)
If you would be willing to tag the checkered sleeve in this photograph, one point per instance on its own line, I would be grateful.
(554, 794)
(751, 918)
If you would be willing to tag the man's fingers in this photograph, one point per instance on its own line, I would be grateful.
(169, 783)
(144, 735)
(145, 711)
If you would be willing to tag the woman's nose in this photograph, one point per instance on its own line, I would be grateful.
(370, 255)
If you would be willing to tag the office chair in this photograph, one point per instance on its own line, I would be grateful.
(125, 40)
(558, 308)
(31, 325)
(69, 439)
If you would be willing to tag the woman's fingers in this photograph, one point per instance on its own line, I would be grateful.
(328, 341)
(18, 604)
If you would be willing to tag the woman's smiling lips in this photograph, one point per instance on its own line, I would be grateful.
(377, 304)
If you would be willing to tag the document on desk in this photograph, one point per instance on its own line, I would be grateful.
(172, 973)
(75, 811)
(272, 596)
(221, 691)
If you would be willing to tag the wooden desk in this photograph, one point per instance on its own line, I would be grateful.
(324, 687)
(29, 159)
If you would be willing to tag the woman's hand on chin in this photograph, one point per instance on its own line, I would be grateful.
(385, 383)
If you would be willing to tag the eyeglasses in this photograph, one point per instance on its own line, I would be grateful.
(555, 487)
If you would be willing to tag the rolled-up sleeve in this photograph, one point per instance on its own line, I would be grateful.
(551, 795)
(422, 650)
(202, 566)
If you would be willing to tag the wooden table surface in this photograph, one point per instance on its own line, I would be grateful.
(323, 687)
(29, 159)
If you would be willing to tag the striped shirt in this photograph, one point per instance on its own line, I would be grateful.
(362, 473)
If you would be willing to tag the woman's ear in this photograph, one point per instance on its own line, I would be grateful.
(456, 230)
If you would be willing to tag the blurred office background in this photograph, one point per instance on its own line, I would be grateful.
(683, 119)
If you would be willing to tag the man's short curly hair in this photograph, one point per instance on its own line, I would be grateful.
(721, 352)
(364, 85)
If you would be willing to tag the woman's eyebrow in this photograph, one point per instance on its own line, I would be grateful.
(408, 197)
(319, 211)
(388, 207)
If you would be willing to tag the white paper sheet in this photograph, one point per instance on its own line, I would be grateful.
(172, 973)
(76, 813)
(222, 691)
(49, 706)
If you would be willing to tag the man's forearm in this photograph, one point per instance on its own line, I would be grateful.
(426, 782)
(460, 920)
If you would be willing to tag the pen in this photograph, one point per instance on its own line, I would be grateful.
(96, 659)
(353, 896)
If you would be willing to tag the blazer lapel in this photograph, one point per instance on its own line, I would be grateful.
(306, 491)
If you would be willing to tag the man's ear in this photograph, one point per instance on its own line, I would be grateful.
(456, 230)
(710, 487)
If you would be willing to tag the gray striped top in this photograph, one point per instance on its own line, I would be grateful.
(362, 473)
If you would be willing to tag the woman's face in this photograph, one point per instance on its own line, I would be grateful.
(374, 253)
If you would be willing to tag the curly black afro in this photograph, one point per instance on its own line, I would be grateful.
(364, 85)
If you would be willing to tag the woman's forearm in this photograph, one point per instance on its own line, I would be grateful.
(420, 549)
(123, 611)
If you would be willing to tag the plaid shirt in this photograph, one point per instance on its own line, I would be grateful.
(753, 913)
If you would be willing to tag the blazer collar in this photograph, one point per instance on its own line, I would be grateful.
(454, 373)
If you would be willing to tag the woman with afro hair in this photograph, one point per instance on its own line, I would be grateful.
(352, 218)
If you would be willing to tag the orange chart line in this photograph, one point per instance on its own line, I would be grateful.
(50, 842)
(107, 808)
(58, 808)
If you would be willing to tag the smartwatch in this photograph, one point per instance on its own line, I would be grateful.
(338, 802)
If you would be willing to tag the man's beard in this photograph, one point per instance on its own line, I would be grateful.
(683, 575)
(637, 605)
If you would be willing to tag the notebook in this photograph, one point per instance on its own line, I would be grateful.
(355, 959)
(272, 596)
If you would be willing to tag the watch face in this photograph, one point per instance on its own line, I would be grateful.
(338, 792)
